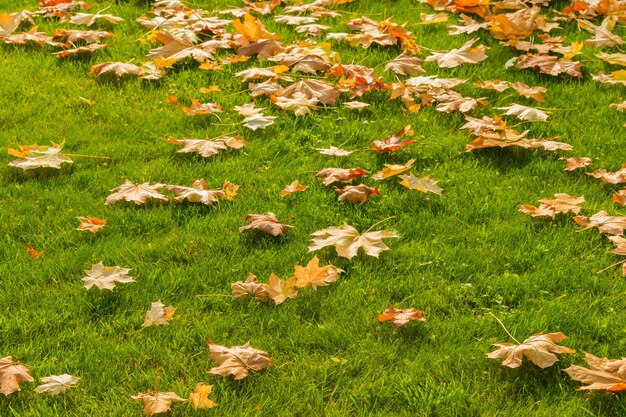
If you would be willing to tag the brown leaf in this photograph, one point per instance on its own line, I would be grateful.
(356, 193)
(92, 224)
(249, 288)
(12, 375)
(267, 223)
(157, 402)
(237, 361)
(549, 64)
(313, 275)
(347, 240)
(540, 349)
(197, 108)
(536, 93)
(516, 25)
(199, 192)
(209, 147)
(312, 89)
(402, 316)
(137, 194)
(575, 163)
(200, 397)
(145, 72)
(620, 197)
(294, 187)
(495, 85)
(609, 225)
(331, 175)
(405, 64)
(281, 289)
(467, 54)
(394, 142)
(602, 374)
(617, 177)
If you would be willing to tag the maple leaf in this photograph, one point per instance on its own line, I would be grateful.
(405, 64)
(89, 19)
(105, 277)
(138, 194)
(356, 193)
(355, 105)
(91, 224)
(536, 93)
(230, 190)
(88, 49)
(467, 54)
(510, 137)
(237, 361)
(199, 192)
(258, 121)
(294, 187)
(551, 65)
(402, 316)
(176, 48)
(299, 103)
(539, 348)
(394, 142)
(144, 72)
(267, 223)
(312, 29)
(250, 288)
(347, 240)
(56, 384)
(575, 163)
(609, 225)
(391, 170)
(33, 252)
(333, 151)
(331, 175)
(525, 113)
(425, 185)
(602, 374)
(200, 397)
(620, 197)
(562, 203)
(602, 35)
(157, 402)
(314, 276)
(209, 147)
(158, 314)
(73, 36)
(484, 125)
(452, 101)
(469, 26)
(202, 108)
(496, 85)
(10, 22)
(312, 89)
(252, 30)
(35, 156)
(281, 289)
(11, 375)
(617, 177)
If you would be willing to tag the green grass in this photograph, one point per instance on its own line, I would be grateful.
(461, 255)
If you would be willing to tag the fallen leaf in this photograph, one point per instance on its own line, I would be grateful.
(294, 187)
(267, 223)
(405, 64)
(89, 19)
(467, 54)
(356, 193)
(91, 224)
(314, 276)
(158, 314)
(333, 151)
(144, 72)
(391, 170)
(609, 225)
(199, 192)
(105, 277)
(56, 384)
(12, 375)
(620, 197)
(402, 316)
(425, 184)
(250, 288)
(258, 121)
(540, 349)
(617, 177)
(394, 142)
(209, 147)
(237, 361)
(347, 240)
(157, 402)
(200, 397)
(137, 194)
(198, 108)
(525, 113)
(35, 156)
(575, 163)
(281, 289)
(35, 254)
(331, 175)
(603, 374)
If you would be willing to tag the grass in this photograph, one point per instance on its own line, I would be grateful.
(461, 255)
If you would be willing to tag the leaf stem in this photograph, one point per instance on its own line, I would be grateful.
(504, 327)
(87, 156)
(377, 223)
(611, 266)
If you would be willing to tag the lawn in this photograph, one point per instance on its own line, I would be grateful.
(463, 257)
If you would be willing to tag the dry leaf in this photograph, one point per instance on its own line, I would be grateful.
(539, 348)
(620, 197)
(258, 121)
(197, 108)
(347, 240)
(549, 64)
(391, 170)
(281, 289)
(267, 223)
(249, 288)
(300, 104)
(536, 93)
(331, 175)
(56, 384)
(495, 85)
(209, 147)
(617, 177)
(294, 187)
(562, 203)
(157, 402)
(394, 141)
(88, 49)
(602, 374)
(575, 163)
(12, 375)
(200, 397)
(199, 192)
(425, 184)
(35, 254)
(356, 193)
(314, 276)
(92, 224)
(402, 316)
(237, 360)
(138, 194)
(90, 19)
(158, 314)
(355, 105)
(35, 156)
(525, 113)
(405, 64)
(144, 72)
(334, 151)
(105, 277)
(609, 225)
(467, 54)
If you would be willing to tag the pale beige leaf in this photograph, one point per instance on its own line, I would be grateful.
(56, 384)
(35, 156)
(237, 361)
(199, 192)
(249, 288)
(347, 241)
(158, 315)
(602, 374)
(137, 194)
(540, 349)
(106, 277)
(467, 54)
(267, 223)
(294, 187)
(400, 317)
(157, 402)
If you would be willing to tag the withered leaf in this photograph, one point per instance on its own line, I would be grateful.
(237, 361)
(35, 156)
(267, 223)
(56, 384)
(331, 175)
(609, 225)
(617, 177)
(200, 397)
(525, 113)
(209, 147)
(333, 151)
(91, 224)
(249, 288)
(105, 277)
(347, 240)
(425, 184)
(137, 194)
(158, 315)
(281, 289)
(402, 316)
(356, 193)
(157, 402)
(199, 192)
(540, 349)
(12, 375)
(620, 197)
(89, 19)
(575, 163)
(466, 54)
(391, 170)
(314, 276)
(602, 374)
(405, 64)
(197, 108)
(394, 142)
(294, 187)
